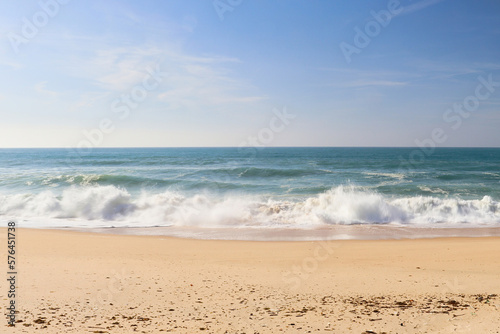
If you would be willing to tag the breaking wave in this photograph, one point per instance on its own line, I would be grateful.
(106, 206)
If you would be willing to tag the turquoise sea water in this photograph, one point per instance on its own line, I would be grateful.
(251, 187)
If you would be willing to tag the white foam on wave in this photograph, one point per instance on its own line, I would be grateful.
(389, 179)
(434, 191)
(106, 202)
(398, 176)
(93, 206)
(80, 179)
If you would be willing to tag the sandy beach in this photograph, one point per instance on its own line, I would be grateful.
(74, 282)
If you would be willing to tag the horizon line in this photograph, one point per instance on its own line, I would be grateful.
(242, 147)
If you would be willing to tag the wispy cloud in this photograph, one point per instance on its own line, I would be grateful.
(414, 71)
(357, 78)
(118, 69)
(379, 73)
(488, 66)
(373, 83)
(193, 82)
(11, 64)
(40, 88)
(451, 70)
(205, 81)
(410, 9)
(89, 99)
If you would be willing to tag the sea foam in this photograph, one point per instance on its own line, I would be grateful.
(106, 206)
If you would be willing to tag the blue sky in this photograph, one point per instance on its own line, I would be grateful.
(226, 68)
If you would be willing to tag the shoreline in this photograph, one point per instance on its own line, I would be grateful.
(334, 232)
(76, 282)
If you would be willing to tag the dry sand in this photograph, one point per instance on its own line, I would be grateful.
(71, 282)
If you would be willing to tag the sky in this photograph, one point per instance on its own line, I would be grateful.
(82, 74)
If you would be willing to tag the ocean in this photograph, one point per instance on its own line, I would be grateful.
(247, 192)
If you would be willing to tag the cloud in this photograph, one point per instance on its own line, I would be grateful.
(356, 78)
(365, 73)
(118, 69)
(379, 83)
(417, 71)
(451, 70)
(10, 63)
(193, 82)
(40, 88)
(92, 69)
(89, 99)
(488, 66)
(410, 9)
(203, 82)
